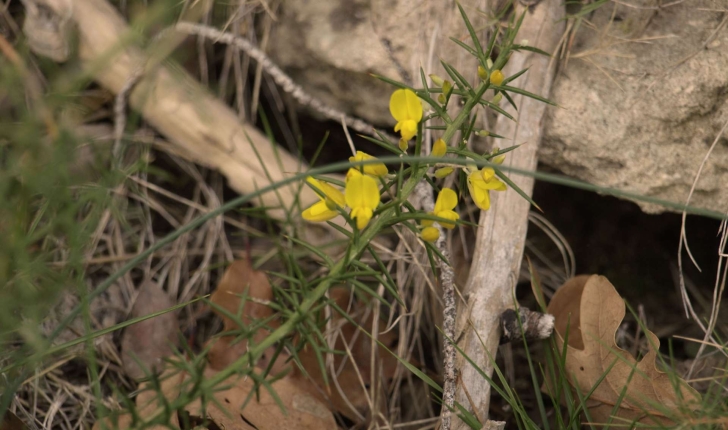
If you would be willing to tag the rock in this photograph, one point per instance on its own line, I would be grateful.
(331, 47)
(632, 116)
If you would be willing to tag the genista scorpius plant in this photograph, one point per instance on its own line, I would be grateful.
(374, 197)
(360, 201)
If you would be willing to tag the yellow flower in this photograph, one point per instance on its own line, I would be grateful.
(443, 171)
(446, 202)
(430, 234)
(326, 208)
(362, 195)
(496, 77)
(480, 182)
(406, 108)
(377, 169)
(439, 148)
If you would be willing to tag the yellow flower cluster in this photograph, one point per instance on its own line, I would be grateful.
(361, 194)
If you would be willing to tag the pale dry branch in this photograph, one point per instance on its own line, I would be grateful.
(200, 127)
(501, 236)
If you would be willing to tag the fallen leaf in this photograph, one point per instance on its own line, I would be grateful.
(244, 410)
(147, 402)
(235, 407)
(241, 280)
(593, 311)
(348, 394)
(146, 343)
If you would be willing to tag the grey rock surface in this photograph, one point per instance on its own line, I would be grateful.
(642, 103)
(642, 95)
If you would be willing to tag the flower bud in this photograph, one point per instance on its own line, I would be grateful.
(441, 99)
(430, 234)
(497, 99)
(496, 77)
(489, 63)
(482, 133)
(446, 88)
(439, 148)
(482, 73)
(436, 80)
(497, 159)
(443, 171)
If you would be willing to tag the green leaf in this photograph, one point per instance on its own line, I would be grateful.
(514, 76)
(392, 82)
(496, 108)
(424, 81)
(460, 77)
(473, 36)
(463, 84)
(510, 100)
(525, 93)
(470, 50)
(530, 48)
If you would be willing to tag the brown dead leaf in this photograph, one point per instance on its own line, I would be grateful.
(147, 403)
(241, 280)
(347, 395)
(593, 311)
(302, 410)
(145, 344)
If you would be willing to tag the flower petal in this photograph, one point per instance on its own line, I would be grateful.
(405, 105)
(319, 212)
(430, 234)
(495, 185)
(408, 129)
(447, 199)
(377, 169)
(480, 195)
(398, 105)
(328, 190)
(362, 191)
(439, 148)
(488, 173)
(371, 192)
(362, 216)
(451, 215)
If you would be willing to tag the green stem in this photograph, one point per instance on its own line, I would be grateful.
(465, 113)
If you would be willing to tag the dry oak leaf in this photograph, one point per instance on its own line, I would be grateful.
(245, 410)
(147, 403)
(241, 280)
(592, 310)
(261, 411)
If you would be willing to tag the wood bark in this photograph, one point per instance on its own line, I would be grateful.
(502, 230)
